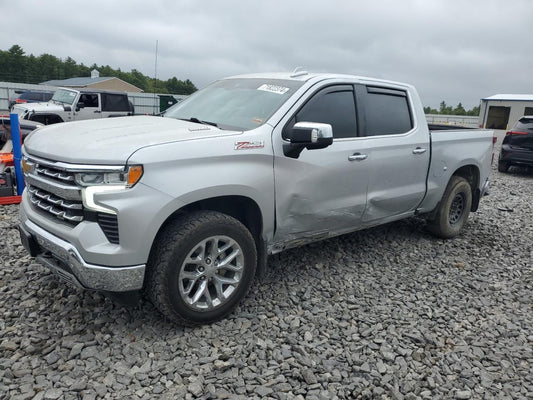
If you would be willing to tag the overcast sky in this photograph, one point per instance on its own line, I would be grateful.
(457, 51)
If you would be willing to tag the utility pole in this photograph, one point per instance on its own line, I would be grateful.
(155, 80)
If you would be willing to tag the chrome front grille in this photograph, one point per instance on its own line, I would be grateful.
(62, 176)
(52, 190)
(67, 210)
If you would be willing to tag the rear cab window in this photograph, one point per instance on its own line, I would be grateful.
(386, 111)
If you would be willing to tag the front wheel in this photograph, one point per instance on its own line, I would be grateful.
(453, 210)
(201, 265)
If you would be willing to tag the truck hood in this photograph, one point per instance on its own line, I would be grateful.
(112, 140)
(38, 107)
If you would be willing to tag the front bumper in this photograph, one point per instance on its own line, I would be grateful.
(63, 259)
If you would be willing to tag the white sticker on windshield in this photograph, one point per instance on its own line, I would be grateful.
(273, 89)
(71, 94)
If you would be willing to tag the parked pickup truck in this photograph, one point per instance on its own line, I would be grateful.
(74, 105)
(188, 206)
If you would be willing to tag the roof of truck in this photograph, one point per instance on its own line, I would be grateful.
(306, 76)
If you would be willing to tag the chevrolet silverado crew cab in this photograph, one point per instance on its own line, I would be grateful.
(188, 206)
(74, 105)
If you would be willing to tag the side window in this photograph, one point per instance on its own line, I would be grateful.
(334, 106)
(115, 102)
(34, 96)
(89, 100)
(386, 112)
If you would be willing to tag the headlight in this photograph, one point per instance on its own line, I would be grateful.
(99, 178)
(95, 182)
(128, 178)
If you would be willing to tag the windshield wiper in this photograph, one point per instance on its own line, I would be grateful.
(198, 121)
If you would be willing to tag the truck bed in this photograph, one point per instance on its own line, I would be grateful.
(452, 146)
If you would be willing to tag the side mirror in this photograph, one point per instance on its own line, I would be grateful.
(307, 135)
(80, 105)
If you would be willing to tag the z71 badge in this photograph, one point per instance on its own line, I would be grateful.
(245, 145)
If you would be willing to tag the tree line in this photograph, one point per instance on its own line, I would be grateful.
(445, 109)
(16, 66)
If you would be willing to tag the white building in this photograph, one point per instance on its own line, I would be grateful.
(501, 111)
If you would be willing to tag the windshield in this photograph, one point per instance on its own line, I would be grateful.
(241, 104)
(64, 96)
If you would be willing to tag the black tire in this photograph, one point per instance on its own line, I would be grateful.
(453, 210)
(503, 166)
(179, 262)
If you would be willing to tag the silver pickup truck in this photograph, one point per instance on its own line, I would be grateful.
(188, 206)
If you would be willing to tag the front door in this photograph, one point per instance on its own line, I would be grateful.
(323, 191)
(88, 107)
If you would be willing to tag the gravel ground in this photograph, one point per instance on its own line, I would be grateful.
(387, 313)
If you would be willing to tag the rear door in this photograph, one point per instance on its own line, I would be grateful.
(398, 151)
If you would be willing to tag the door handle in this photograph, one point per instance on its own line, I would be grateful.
(419, 150)
(97, 112)
(357, 157)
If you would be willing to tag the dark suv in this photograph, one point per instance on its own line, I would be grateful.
(31, 96)
(517, 146)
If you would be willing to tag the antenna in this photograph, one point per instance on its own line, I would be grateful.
(155, 78)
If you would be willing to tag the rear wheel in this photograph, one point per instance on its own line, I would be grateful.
(453, 210)
(202, 264)
(503, 166)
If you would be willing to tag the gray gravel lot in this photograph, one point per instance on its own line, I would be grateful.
(387, 313)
